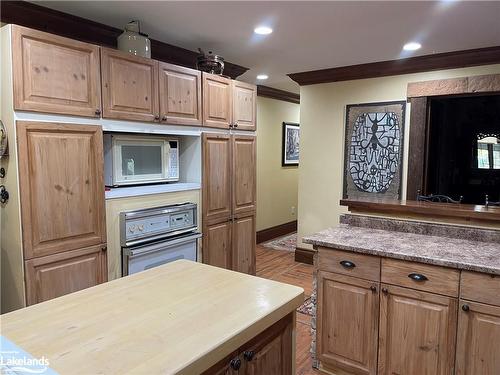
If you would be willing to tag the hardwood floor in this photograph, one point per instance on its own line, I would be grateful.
(280, 265)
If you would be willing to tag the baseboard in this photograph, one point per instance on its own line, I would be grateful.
(304, 255)
(276, 231)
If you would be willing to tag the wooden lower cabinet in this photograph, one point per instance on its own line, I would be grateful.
(478, 341)
(269, 353)
(217, 249)
(417, 332)
(347, 323)
(243, 244)
(59, 274)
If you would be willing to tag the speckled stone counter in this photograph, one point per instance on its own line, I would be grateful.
(481, 252)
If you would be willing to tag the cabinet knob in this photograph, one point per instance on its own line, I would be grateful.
(385, 290)
(248, 355)
(157, 117)
(164, 118)
(235, 124)
(417, 277)
(98, 112)
(373, 288)
(347, 264)
(235, 364)
(4, 194)
(465, 307)
(230, 126)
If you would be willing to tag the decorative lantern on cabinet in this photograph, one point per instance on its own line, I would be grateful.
(133, 41)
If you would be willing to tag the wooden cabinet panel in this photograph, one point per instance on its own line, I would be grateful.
(217, 249)
(61, 186)
(244, 173)
(480, 287)
(180, 95)
(217, 101)
(437, 279)
(129, 86)
(347, 319)
(244, 105)
(478, 341)
(417, 332)
(349, 263)
(243, 244)
(56, 275)
(216, 177)
(55, 74)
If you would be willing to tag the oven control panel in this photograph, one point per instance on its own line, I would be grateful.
(144, 225)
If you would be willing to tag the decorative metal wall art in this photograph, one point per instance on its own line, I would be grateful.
(373, 154)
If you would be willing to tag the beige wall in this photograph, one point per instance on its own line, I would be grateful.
(322, 117)
(276, 186)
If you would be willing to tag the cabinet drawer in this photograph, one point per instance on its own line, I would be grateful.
(480, 287)
(420, 276)
(349, 263)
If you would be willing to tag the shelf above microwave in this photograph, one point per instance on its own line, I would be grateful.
(135, 191)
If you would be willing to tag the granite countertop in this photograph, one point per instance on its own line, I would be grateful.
(443, 251)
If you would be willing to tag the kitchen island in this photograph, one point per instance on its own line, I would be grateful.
(406, 297)
(180, 318)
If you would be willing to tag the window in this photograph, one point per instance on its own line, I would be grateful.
(488, 152)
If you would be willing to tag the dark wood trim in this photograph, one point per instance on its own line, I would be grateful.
(304, 255)
(269, 92)
(417, 147)
(74, 27)
(428, 210)
(276, 231)
(438, 61)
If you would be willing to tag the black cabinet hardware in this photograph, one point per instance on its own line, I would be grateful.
(164, 118)
(385, 290)
(373, 288)
(235, 364)
(417, 277)
(97, 112)
(157, 117)
(235, 124)
(465, 308)
(2, 172)
(248, 355)
(4, 194)
(347, 264)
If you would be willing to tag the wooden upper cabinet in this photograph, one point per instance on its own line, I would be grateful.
(217, 101)
(180, 95)
(243, 157)
(59, 274)
(216, 177)
(347, 323)
(129, 86)
(244, 106)
(417, 332)
(54, 74)
(243, 244)
(478, 341)
(61, 187)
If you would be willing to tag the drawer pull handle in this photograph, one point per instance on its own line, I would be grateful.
(347, 264)
(248, 355)
(465, 308)
(235, 364)
(417, 277)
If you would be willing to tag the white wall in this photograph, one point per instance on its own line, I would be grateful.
(322, 118)
(276, 185)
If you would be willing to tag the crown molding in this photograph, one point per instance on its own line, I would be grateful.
(74, 27)
(438, 61)
(269, 92)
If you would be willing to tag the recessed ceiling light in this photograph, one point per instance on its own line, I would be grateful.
(262, 76)
(412, 46)
(263, 30)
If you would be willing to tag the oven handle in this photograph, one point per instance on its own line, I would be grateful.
(131, 253)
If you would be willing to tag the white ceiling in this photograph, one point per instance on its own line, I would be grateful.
(307, 35)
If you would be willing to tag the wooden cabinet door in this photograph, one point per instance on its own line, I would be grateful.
(417, 332)
(180, 95)
(217, 101)
(61, 186)
(478, 341)
(217, 250)
(56, 275)
(129, 86)
(54, 74)
(244, 105)
(244, 242)
(347, 321)
(271, 352)
(216, 177)
(244, 171)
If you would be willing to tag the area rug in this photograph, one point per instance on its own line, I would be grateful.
(288, 243)
(306, 307)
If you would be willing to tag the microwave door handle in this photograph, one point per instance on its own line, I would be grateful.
(161, 246)
(166, 160)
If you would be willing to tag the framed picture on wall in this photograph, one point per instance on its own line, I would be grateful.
(290, 144)
(373, 150)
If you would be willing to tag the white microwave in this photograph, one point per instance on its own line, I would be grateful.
(132, 160)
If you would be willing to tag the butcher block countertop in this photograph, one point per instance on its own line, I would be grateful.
(180, 318)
